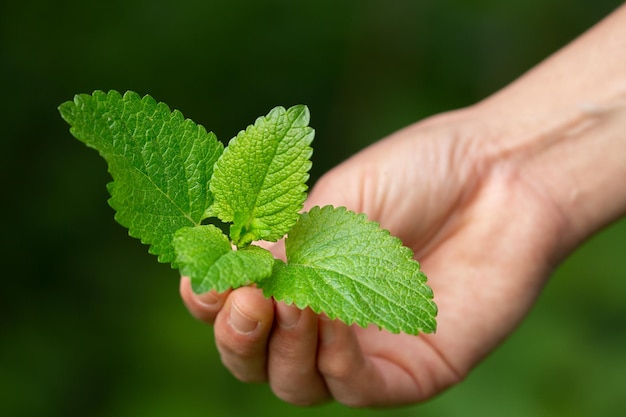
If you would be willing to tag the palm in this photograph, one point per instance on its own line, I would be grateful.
(453, 212)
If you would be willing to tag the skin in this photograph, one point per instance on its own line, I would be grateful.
(496, 194)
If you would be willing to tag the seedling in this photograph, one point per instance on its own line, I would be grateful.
(172, 179)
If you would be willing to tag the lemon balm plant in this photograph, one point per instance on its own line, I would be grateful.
(171, 177)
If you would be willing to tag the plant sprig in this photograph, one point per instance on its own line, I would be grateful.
(170, 176)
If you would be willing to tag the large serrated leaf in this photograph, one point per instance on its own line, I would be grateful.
(161, 163)
(341, 264)
(260, 180)
(204, 254)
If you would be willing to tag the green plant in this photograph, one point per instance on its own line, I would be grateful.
(172, 179)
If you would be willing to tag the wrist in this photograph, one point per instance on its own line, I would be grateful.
(579, 167)
(562, 129)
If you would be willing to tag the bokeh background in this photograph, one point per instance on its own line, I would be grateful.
(91, 325)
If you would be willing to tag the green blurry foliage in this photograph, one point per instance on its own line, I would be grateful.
(81, 335)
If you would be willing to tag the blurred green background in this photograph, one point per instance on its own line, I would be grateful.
(91, 325)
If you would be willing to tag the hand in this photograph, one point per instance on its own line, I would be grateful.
(483, 237)
(489, 198)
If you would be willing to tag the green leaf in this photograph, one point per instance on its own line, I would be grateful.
(169, 175)
(341, 264)
(204, 254)
(161, 163)
(260, 180)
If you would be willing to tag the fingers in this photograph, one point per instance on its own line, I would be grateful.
(307, 359)
(359, 379)
(242, 322)
(205, 306)
(292, 366)
(242, 329)
(349, 375)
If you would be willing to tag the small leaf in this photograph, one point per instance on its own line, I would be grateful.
(341, 264)
(204, 254)
(260, 180)
(161, 163)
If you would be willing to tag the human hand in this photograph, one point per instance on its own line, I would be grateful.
(431, 187)
(489, 198)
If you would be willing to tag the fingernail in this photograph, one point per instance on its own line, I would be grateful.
(288, 316)
(241, 322)
(209, 299)
(327, 330)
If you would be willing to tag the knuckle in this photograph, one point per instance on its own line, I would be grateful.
(338, 370)
(245, 375)
(299, 398)
(298, 386)
(285, 353)
(243, 364)
(356, 401)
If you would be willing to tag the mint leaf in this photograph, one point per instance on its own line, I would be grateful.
(259, 182)
(161, 163)
(204, 254)
(341, 264)
(170, 174)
